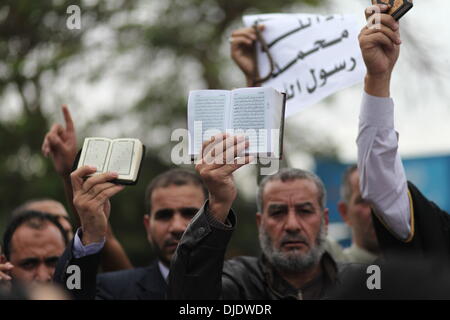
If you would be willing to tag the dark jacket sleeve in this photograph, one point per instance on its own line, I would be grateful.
(88, 267)
(196, 269)
(430, 231)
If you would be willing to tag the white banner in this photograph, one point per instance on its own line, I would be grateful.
(314, 56)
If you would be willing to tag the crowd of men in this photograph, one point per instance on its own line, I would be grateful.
(189, 218)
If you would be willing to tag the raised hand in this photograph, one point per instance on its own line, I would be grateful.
(243, 51)
(60, 144)
(380, 47)
(91, 200)
(221, 156)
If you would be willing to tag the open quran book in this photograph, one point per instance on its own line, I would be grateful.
(123, 156)
(257, 113)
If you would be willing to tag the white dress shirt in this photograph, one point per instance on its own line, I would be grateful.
(164, 270)
(382, 176)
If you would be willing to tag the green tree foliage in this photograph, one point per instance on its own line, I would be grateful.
(34, 43)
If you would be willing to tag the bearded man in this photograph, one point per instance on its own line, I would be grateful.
(292, 223)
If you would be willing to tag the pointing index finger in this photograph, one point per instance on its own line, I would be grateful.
(68, 118)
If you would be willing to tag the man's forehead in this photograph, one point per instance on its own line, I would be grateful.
(49, 206)
(27, 240)
(174, 196)
(283, 204)
(296, 191)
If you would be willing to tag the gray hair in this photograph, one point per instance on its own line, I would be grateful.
(289, 174)
(346, 188)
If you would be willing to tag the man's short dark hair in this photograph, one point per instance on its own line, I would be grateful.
(346, 188)
(290, 174)
(33, 219)
(177, 177)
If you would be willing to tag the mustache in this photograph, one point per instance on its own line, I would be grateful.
(298, 237)
(173, 239)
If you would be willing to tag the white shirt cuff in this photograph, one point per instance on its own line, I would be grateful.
(79, 250)
(376, 111)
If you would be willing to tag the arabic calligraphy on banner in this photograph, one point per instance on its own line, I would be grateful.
(314, 56)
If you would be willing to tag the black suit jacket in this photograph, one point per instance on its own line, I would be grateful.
(134, 284)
